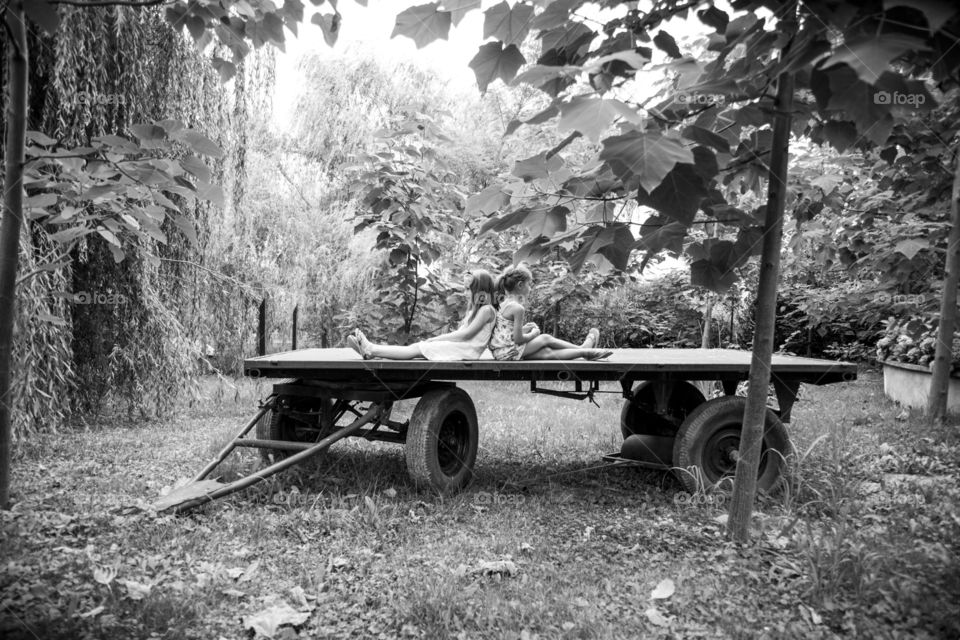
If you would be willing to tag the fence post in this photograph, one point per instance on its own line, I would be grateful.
(293, 342)
(262, 328)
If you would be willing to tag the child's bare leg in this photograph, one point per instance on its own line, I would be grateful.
(547, 353)
(546, 341)
(395, 352)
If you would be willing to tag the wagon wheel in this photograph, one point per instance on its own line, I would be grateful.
(300, 420)
(639, 414)
(710, 438)
(442, 440)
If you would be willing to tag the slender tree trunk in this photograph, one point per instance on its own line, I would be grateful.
(10, 226)
(943, 356)
(745, 485)
(706, 386)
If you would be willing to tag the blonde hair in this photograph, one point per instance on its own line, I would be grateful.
(482, 291)
(511, 277)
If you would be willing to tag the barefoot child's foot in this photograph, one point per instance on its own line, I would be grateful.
(359, 343)
(593, 337)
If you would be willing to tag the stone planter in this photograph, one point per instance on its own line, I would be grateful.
(909, 384)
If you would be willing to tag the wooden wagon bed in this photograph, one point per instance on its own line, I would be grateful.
(321, 396)
(338, 365)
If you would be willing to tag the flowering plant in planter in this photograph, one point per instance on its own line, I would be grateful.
(913, 341)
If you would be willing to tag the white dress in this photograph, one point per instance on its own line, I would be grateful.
(460, 349)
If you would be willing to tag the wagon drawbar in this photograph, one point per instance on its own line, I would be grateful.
(324, 395)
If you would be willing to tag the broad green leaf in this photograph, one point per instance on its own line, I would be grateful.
(108, 235)
(716, 18)
(592, 116)
(40, 201)
(556, 14)
(459, 8)
(911, 247)
(187, 227)
(678, 196)
(196, 166)
(67, 236)
(706, 137)
(330, 26)
(569, 38)
(546, 223)
(631, 58)
(506, 24)
(536, 75)
(613, 244)
(423, 24)
(226, 69)
(491, 199)
(539, 166)
(148, 133)
(493, 61)
(667, 44)
(840, 134)
(503, 223)
(40, 138)
(211, 192)
(198, 142)
(643, 158)
(870, 56)
(659, 234)
(857, 100)
(937, 12)
(716, 278)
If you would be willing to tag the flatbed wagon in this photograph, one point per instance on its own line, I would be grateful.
(324, 395)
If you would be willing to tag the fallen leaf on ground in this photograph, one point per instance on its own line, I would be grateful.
(268, 622)
(491, 567)
(664, 590)
(136, 590)
(657, 618)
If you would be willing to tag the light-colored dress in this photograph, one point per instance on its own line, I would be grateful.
(502, 344)
(470, 349)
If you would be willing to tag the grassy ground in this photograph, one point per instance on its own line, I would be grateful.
(865, 545)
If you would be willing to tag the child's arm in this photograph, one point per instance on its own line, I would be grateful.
(522, 333)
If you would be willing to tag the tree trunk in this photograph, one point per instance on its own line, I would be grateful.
(745, 485)
(706, 386)
(943, 354)
(10, 226)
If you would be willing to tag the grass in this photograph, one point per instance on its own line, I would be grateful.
(863, 544)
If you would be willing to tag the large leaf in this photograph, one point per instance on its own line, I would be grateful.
(423, 24)
(198, 142)
(539, 166)
(870, 56)
(678, 196)
(506, 24)
(937, 12)
(592, 116)
(706, 137)
(614, 244)
(42, 13)
(643, 158)
(546, 223)
(556, 14)
(330, 26)
(459, 8)
(857, 100)
(658, 234)
(494, 61)
(667, 44)
(491, 199)
(503, 223)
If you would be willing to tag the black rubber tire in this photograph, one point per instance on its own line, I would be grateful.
(712, 429)
(639, 416)
(277, 426)
(442, 440)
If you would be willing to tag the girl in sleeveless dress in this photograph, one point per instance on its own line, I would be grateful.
(512, 339)
(466, 343)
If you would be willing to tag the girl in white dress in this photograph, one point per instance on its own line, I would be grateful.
(512, 339)
(466, 343)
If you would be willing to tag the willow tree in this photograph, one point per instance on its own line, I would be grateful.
(124, 188)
